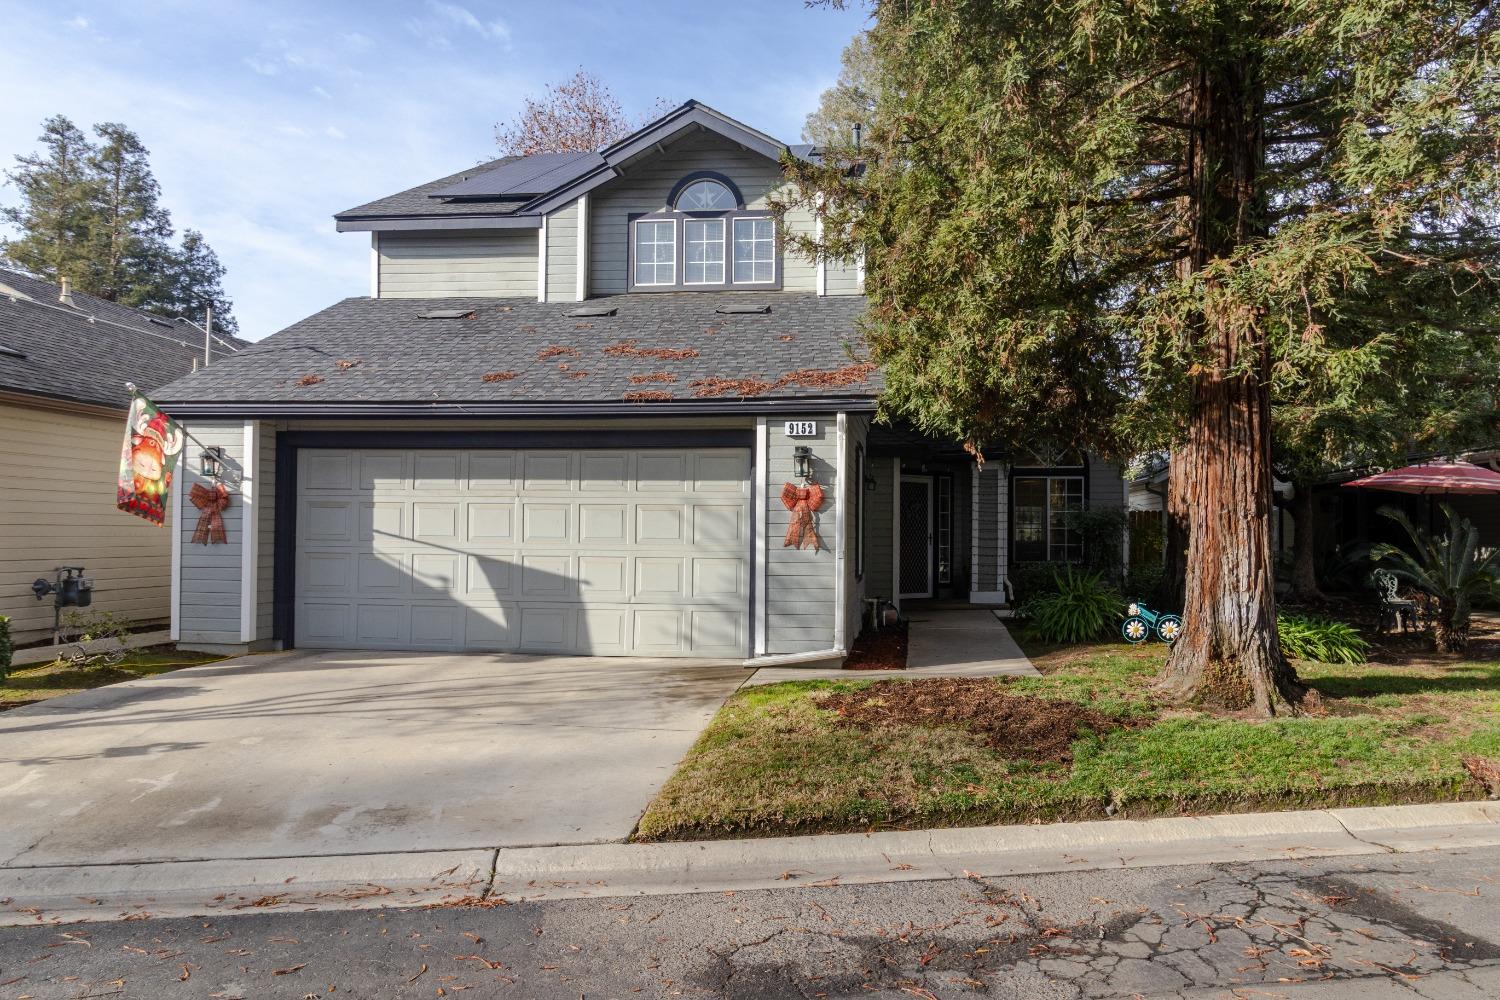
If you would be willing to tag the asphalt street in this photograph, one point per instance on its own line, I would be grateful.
(1412, 925)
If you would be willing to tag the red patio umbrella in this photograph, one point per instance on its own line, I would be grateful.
(1434, 478)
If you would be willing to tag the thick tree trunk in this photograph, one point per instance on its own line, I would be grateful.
(1228, 656)
(1304, 566)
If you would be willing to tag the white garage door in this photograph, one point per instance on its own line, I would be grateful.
(595, 552)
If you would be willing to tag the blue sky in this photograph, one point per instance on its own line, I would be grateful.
(264, 119)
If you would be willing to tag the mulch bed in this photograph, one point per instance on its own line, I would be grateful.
(881, 649)
(1018, 726)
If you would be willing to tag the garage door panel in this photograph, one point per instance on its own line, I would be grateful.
(383, 573)
(593, 552)
(659, 524)
(603, 578)
(720, 524)
(436, 472)
(327, 520)
(491, 523)
(547, 576)
(547, 471)
(491, 576)
(545, 522)
(382, 470)
(604, 471)
(382, 521)
(328, 471)
(603, 524)
(432, 521)
(492, 472)
(661, 472)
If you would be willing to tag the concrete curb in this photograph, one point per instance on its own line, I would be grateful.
(107, 892)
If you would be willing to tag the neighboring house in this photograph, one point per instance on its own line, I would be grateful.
(563, 420)
(64, 361)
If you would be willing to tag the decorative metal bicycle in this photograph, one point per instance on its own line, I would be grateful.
(1141, 621)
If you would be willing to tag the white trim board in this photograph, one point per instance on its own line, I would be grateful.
(176, 525)
(541, 262)
(374, 265)
(249, 518)
(841, 540)
(582, 292)
(758, 497)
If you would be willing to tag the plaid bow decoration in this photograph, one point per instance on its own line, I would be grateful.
(212, 503)
(802, 501)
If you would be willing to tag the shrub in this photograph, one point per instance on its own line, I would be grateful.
(1144, 583)
(1029, 580)
(1305, 637)
(7, 648)
(105, 627)
(1079, 608)
(1103, 533)
(1452, 568)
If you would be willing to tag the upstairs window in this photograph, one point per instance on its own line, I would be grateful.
(705, 239)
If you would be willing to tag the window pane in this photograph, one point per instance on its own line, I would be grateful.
(703, 251)
(1029, 519)
(655, 253)
(705, 196)
(754, 250)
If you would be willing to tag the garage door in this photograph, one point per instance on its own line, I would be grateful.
(593, 552)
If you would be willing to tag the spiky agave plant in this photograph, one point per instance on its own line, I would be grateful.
(1449, 567)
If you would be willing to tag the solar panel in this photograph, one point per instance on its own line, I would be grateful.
(529, 175)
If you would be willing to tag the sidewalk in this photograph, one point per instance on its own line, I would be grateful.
(133, 891)
(941, 643)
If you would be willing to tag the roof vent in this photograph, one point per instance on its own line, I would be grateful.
(447, 314)
(11, 352)
(161, 322)
(594, 311)
(743, 310)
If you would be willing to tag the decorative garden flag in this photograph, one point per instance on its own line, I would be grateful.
(152, 443)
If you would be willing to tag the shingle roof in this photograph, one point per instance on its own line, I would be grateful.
(539, 353)
(524, 175)
(418, 200)
(87, 353)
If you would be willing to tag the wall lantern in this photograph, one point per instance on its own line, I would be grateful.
(213, 463)
(871, 484)
(802, 462)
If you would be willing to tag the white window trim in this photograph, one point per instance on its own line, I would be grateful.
(759, 497)
(723, 245)
(541, 262)
(635, 253)
(249, 536)
(583, 248)
(730, 261)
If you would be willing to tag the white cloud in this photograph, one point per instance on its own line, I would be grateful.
(334, 132)
(434, 30)
(79, 23)
(264, 67)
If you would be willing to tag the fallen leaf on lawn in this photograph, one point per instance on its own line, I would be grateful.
(420, 973)
(288, 971)
(187, 974)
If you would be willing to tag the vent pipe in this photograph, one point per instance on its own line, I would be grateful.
(66, 295)
(858, 131)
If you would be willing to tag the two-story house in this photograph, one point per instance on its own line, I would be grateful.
(565, 420)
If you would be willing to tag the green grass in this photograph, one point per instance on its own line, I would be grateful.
(51, 680)
(772, 762)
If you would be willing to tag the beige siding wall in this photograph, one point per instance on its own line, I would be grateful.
(57, 508)
(500, 263)
(562, 254)
(841, 278)
(645, 187)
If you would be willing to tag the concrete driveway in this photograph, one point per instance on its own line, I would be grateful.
(302, 753)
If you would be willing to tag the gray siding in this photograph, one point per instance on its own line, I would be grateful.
(1106, 485)
(502, 263)
(562, 254)
(800, 583)
(840, 278)
(211, 574)
(645, 187)
(880, 514)
(989, 558)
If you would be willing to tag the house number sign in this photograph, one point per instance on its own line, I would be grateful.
(801, 428)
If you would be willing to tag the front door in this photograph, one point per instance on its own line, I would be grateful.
(916, 536)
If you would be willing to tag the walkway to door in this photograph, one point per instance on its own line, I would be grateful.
(942, 643)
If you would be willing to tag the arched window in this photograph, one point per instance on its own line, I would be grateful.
(704, 239)
(706, 196)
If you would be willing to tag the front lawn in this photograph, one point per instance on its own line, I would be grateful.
(812, 756)
(24, 685)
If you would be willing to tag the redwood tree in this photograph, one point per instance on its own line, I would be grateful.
(1115, 223)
